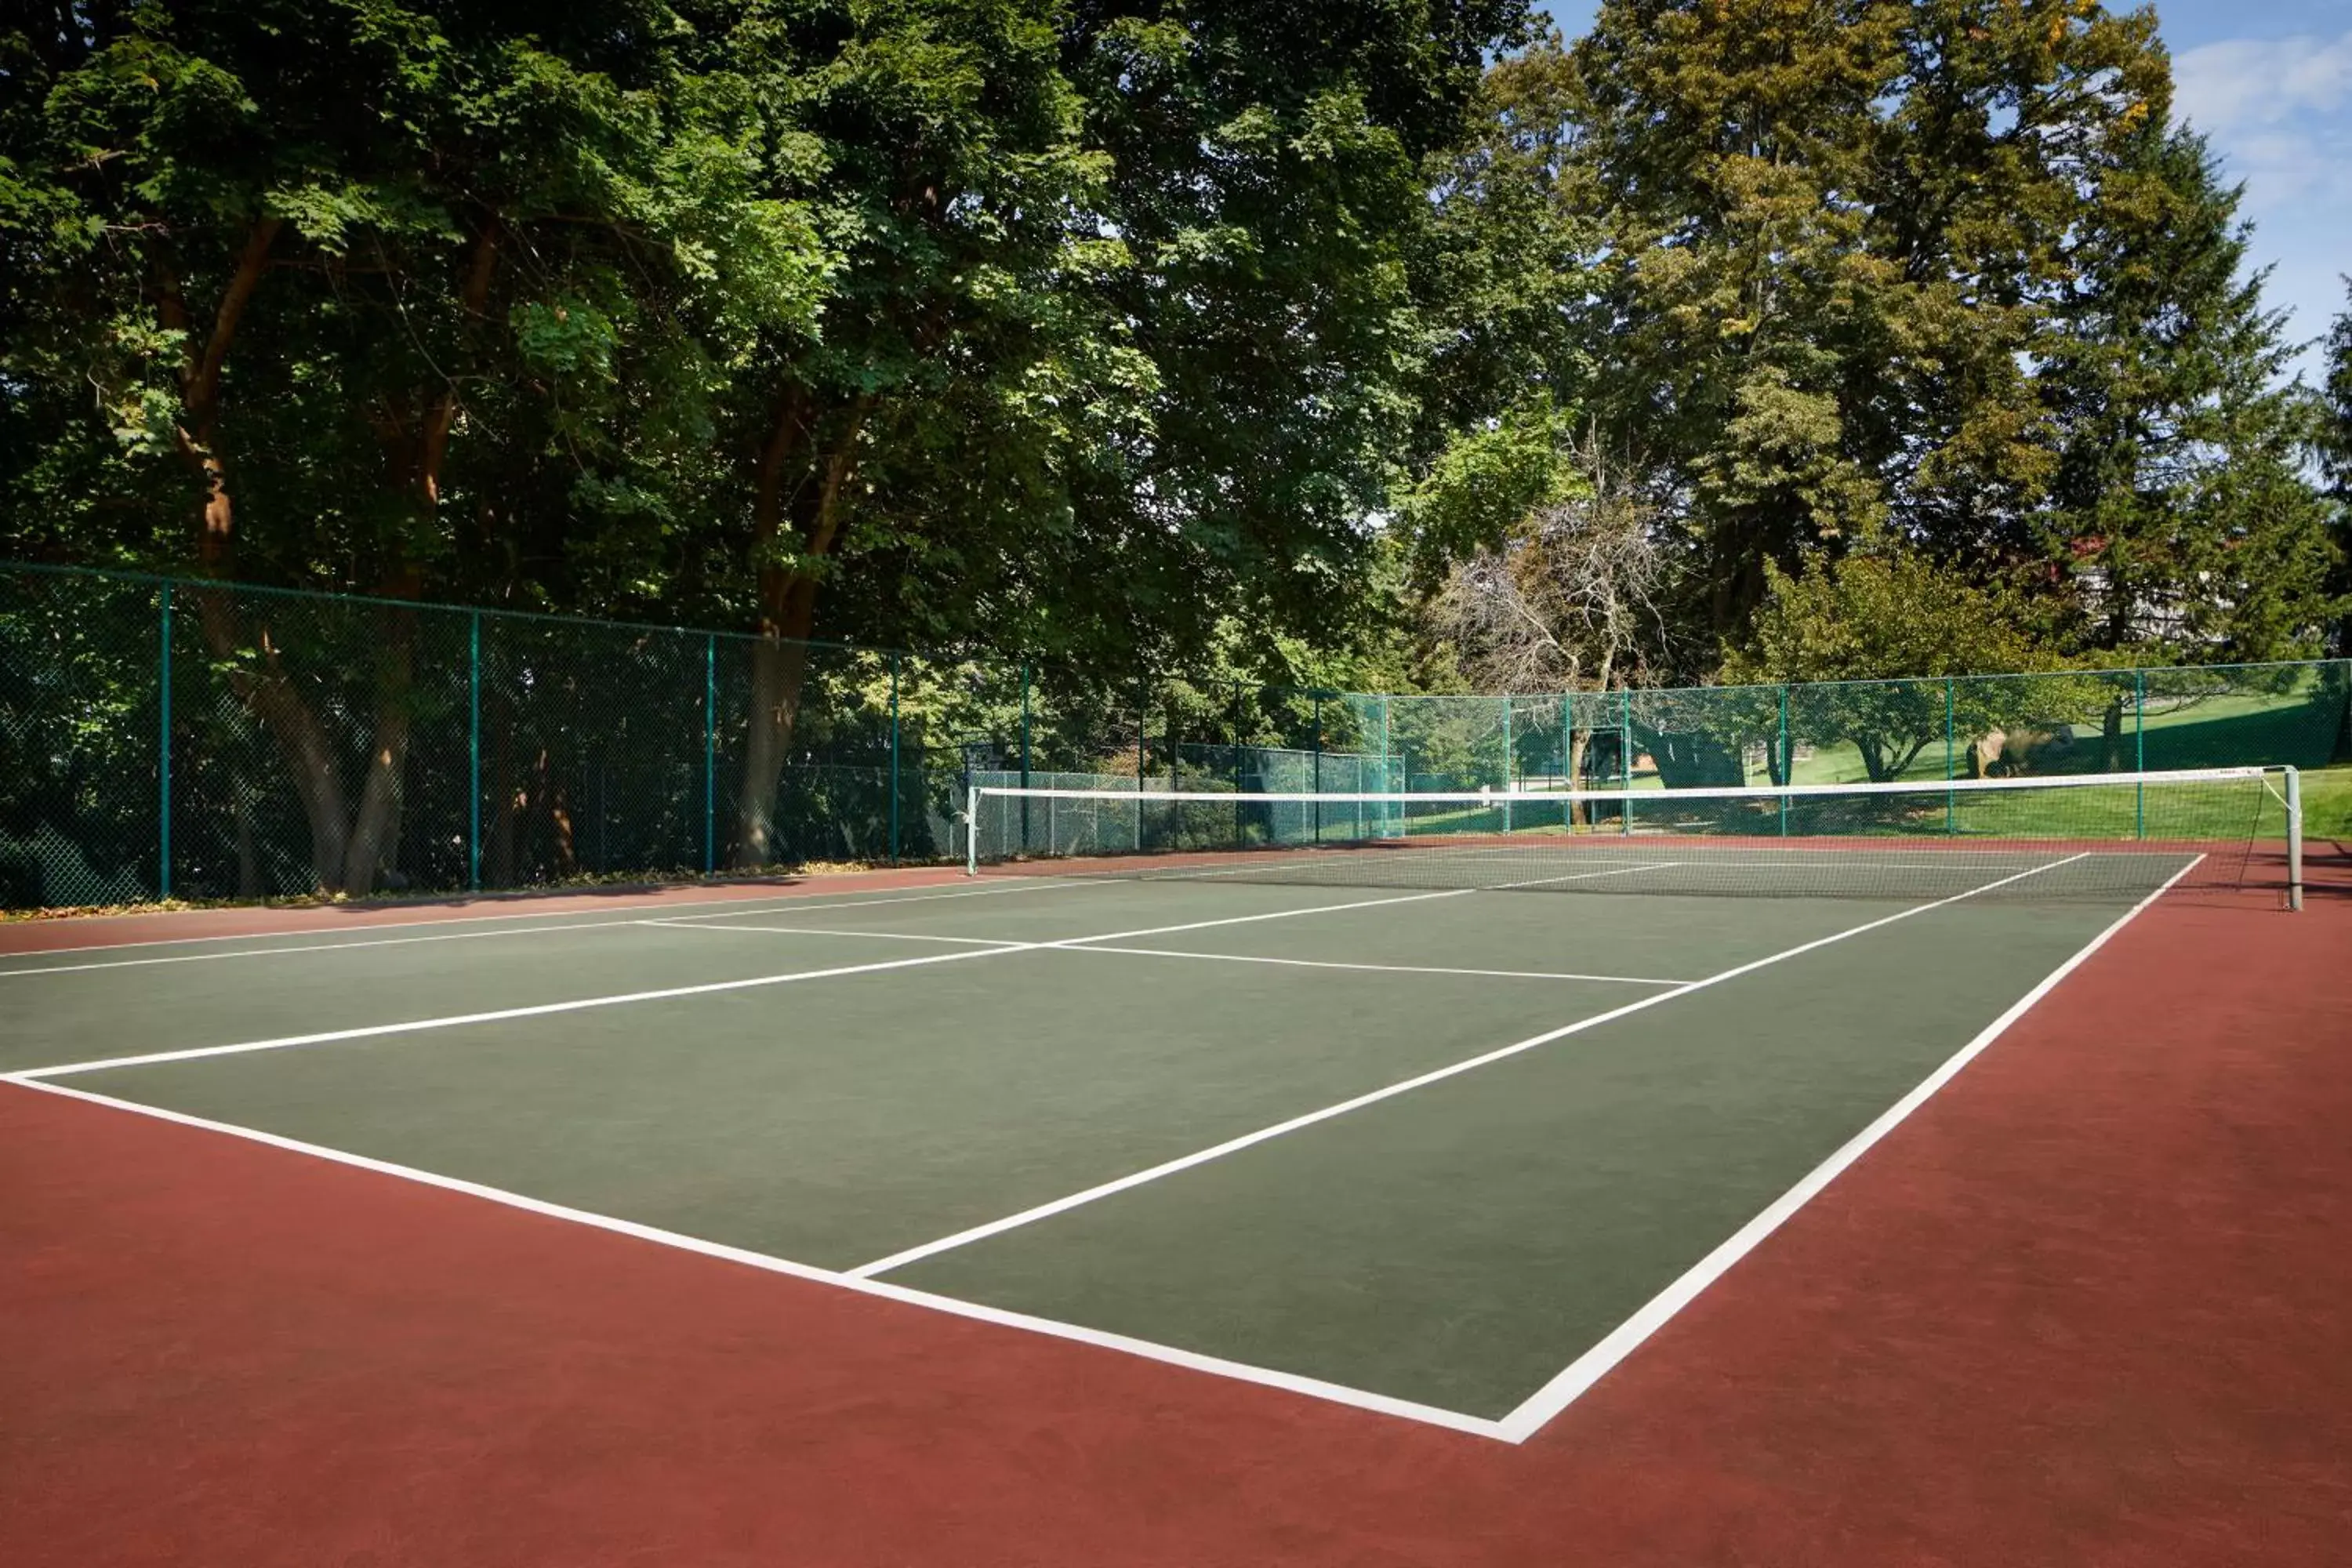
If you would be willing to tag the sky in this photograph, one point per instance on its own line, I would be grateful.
(2269, 84)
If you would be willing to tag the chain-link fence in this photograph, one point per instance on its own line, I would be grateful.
(195, 740)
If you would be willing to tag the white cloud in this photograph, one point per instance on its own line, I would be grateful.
(2250, 81)
(2284, 170)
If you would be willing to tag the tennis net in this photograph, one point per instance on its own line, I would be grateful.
(2099, 838)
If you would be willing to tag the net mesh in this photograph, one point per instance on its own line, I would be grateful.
(2092, 837)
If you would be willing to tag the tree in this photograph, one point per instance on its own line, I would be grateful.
(1504, 270)
(1063, 330)
(2336, 458)
(1552, 575)
(1882, 619)
(269, 258)
(1568, 598)
(2183, 520)
(1831, 231)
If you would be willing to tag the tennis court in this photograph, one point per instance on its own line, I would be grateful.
(1446, 1146)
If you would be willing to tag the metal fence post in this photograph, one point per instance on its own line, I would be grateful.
(1388, 770)
(709, 753)
(1951, 797)
(474, 753)
(1509, 760)
(2139, 752)
(1318, 767)
(1236, 759)
(1787, 761)
(1024, 756)
(164, 757)
(1626, 755)
(894, 759)
(1142, 737)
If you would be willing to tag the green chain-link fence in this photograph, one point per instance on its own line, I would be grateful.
(197, 740)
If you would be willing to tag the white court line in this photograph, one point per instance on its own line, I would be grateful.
(1584, 876)
(578, 1005)
(830, 931)
(1248, 1139)
(1379, 968)
(627, 915)
(1292, 1382)
(1588, 1369)
(317, 947)
(1087, 946)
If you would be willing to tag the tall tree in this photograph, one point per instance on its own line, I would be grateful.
(2183, 519)
(1832, 226)
(2334, 416)
(276, 259)
(1117, 345)
(1071, 328)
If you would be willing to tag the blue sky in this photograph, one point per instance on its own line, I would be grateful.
(2270, 83)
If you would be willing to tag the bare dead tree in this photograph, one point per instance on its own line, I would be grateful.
(1569, 599)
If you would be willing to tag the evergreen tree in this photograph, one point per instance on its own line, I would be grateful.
(2335, 415)
(1830, 228)
(2182, 516)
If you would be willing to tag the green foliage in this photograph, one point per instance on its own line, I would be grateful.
(2334, 417)
(1879, 620)
(1487, 479)
(1874, 616)
(2183, 522)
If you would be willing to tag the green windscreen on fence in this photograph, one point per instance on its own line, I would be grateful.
(2096, 837)
(197, 740)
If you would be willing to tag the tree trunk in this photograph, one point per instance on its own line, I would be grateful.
(380, 790)
(780, 658)
(779, 673)
(257, 675)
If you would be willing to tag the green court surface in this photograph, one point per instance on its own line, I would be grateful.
(1188, 1119)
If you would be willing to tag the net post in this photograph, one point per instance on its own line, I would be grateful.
(709, 753)
(2294, 838)
(474, 753)
(894, 758)
(1951, 797)
(163, 756)
(1625, 756)
(971, 830)
(2139, 753)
